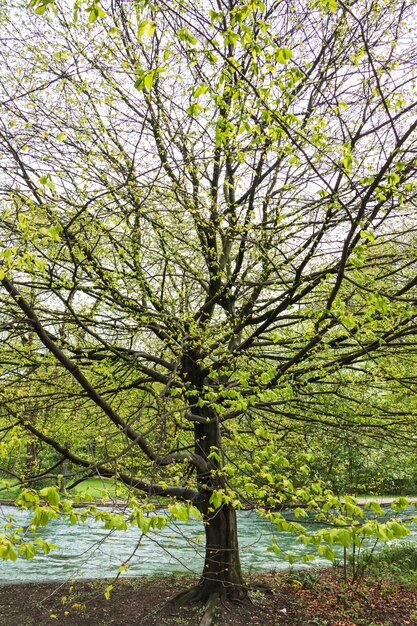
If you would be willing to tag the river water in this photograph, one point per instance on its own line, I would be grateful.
(89, 551)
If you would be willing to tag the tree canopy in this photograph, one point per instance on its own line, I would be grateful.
(208, 242)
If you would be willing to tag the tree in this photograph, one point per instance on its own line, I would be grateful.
(208, 228)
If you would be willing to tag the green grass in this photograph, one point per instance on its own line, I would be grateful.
(7, 491)
(378, 496)
(90, 489)
(99, 488)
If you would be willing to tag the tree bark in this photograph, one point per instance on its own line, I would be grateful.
(222, 573)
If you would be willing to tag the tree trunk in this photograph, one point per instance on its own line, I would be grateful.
(222, 573)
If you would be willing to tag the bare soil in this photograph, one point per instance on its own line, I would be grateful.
(322, 599)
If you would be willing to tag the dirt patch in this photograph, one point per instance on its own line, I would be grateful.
(322, 599)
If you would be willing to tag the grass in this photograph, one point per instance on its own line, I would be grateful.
(7, 491)
(90, 489)
(99, 488)
(383, 496)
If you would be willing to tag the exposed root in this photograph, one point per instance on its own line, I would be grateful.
(266, 589)
(211, 607)
(200, 593)
(195, 594)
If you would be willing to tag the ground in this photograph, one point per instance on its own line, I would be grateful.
(313, 598)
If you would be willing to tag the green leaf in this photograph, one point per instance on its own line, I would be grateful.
(179, 511)
(30, 550)
(344, 536)
(282, 55)
(185, 35)
(216, 499)
(199, 90)
(375, 507)
(347, 163)
(381, 532)
(291, 558)
(274, 547)
(144, 524)
(123, 568)
(45, 546)
(326, 552)
(399, 529)
(159, 522)
(194, 109)
(148, 80)
(12, 554)
(51, 495)
(53, 232)
(145, 28)
(399, 504)
(367, 530)
(367, 234)
(95, 11)
(46, 180)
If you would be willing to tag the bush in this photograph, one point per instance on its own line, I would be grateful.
(404, 555)
(399, 560)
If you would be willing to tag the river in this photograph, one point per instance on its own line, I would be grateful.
(89, 551)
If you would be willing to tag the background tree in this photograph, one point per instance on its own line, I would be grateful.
(208, 234)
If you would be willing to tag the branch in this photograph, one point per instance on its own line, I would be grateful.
(91, 392)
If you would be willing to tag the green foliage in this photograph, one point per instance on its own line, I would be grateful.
(183, 512)
(346, 524)
(305, 579)
(404, 555)
(16, 541)
(398, 561)
(208, 259)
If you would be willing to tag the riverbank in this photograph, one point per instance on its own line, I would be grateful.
(319, 598)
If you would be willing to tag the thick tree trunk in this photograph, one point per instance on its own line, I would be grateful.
(221, 576)
(222, 573)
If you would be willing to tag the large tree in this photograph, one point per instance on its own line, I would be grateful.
(208, 231)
